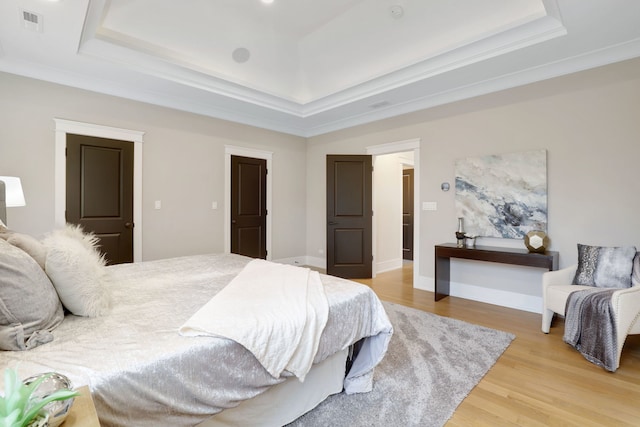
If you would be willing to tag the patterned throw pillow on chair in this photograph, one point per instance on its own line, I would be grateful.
(635, 274)
(604, 267)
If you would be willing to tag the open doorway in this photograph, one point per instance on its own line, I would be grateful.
(407, 212)
(393, 219)
(388, 225)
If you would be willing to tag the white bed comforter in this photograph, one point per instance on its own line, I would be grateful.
(142, 372)
(275, 311)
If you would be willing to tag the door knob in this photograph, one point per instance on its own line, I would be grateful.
(128, 225)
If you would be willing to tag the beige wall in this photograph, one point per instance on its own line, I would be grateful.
(183, 166)
(589, 123)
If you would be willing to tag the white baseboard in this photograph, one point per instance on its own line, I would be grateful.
(316, 262)
(393, 264)
(425, 283)
(299, 260)
(499, 297)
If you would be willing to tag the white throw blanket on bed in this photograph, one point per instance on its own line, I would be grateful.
(275, 311)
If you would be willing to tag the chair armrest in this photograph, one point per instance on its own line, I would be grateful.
(563, 276)
(626, 307)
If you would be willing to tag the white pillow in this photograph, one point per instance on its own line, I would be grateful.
(77, 270)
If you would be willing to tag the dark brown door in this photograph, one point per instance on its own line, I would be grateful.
(100, 192)
(249, 206)
(407, 214)
(349, 185)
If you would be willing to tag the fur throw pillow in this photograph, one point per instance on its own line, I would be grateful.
(77, 270)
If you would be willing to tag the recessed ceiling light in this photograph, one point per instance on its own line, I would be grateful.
(396, 11)
(267, 1)
(241, 55)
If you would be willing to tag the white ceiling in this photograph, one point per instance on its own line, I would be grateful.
(312, 66)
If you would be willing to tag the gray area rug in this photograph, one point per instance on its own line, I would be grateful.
(432, 364)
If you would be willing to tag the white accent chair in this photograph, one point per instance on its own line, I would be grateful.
(556, 287)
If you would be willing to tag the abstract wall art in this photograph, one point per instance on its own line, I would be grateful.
(502, 195)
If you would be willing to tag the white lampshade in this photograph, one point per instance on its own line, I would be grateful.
(13, 191)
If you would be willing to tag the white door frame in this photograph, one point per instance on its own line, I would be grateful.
(399, 147)
(231, 150)
(63, 127)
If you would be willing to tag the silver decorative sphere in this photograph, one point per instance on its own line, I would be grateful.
(58, 409)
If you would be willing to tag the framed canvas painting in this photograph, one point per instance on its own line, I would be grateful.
(502, 195)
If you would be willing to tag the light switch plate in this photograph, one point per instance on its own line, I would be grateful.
(157, 204)
(429, 206)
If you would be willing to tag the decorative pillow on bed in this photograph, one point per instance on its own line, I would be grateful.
(29, 244)
(29, 305)
(77, 270)
(604, 267)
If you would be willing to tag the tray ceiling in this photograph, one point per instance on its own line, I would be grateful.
(308, 67)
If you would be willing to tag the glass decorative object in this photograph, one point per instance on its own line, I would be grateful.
(460, 235)
(470, 241)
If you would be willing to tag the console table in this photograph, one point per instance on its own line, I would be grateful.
(446, 251)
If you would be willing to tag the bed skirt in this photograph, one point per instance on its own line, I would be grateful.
(267, 409)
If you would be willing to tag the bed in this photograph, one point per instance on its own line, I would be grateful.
(142, 372)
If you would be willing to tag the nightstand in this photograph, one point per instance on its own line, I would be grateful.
(83, 412)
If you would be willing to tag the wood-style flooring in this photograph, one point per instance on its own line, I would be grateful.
(539, 380)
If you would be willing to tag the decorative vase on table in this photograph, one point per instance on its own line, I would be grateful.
(460, 235)
(470, 241)
(536, 241)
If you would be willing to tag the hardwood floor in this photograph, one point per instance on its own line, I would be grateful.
(539, 380)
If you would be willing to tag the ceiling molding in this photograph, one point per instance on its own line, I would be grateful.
(547, 41)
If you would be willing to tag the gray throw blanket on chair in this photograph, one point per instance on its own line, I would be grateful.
(590, 326)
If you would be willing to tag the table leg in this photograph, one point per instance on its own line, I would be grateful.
(442, 274)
